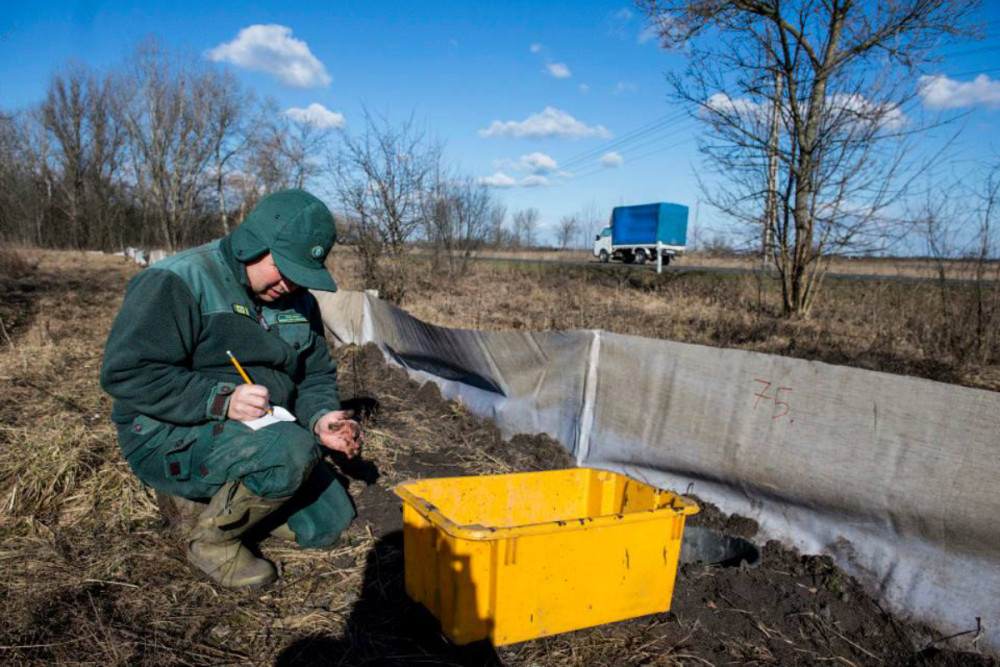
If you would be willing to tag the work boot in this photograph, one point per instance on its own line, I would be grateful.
(283, 532)
(215, 547)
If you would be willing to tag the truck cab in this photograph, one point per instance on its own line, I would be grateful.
(602, 245)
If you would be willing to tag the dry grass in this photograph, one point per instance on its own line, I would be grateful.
(891, 326)
(889, 267)
(77, 529)
(15, 263)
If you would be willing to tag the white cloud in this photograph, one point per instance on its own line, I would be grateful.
(316, 115)
(747, 109)
(621, 21)
(538, 163)
(887, 115)
(940, 92)
(498, 180)
(559, 70)
(624, 87)
(536, 48)
(852, 109)
(550, 122)
(584, 88)
(648, 34)
(534, 182)
(662, 23)
(272, 49)
(612, 159)
(505, 163)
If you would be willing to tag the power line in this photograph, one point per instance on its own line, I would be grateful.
(637, 143)
(972, 52)
(637, 158)
(975, 71)
(629, 137)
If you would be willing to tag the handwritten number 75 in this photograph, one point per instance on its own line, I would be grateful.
(780, 407)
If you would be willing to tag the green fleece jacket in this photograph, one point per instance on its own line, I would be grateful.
(165, 357)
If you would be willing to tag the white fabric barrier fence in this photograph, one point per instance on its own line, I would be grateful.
(896, 478)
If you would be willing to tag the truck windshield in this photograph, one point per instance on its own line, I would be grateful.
(606, 232)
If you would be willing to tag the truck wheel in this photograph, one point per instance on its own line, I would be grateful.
(666, 260)
(628, 257)
(640, 256)
(604, 257)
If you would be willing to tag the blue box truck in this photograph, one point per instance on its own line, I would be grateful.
(636, 233)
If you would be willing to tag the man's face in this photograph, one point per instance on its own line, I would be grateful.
(266, 282)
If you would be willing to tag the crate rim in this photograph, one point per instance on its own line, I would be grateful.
(480, 533)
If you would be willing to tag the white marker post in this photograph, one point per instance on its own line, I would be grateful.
(659, 258)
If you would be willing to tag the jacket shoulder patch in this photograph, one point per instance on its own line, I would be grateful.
(241, 309)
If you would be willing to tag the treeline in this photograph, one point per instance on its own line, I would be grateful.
(163, 151)
(169, 151)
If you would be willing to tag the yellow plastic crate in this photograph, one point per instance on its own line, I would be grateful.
(521, 556)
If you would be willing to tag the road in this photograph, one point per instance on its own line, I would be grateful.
(681, 269)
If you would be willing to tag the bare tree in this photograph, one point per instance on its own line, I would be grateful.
(166, 107)
(86, 145)
(380, 175)
(959, 224)
(27, 182)
(304, 146)
(568, 227)
(525, 227)
(805, 103)
(499, 235)
(457, 215)
(64, 115)
(230, 133)
(470, 209)
(591, 221)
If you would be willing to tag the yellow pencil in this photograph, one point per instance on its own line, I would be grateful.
(243, 373)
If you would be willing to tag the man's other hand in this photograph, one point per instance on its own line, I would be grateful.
(248, 402)
(337, 431)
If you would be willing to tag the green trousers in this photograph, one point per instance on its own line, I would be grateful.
(278, 461)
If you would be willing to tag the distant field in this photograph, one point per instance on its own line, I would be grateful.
(948, 333)
(868, 266)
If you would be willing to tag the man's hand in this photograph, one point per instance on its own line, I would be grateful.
(248, 402)
(337, 431)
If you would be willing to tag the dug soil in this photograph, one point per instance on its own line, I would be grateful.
(791, 610)
(91, 573)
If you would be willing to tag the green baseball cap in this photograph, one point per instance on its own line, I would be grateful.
(298, 230)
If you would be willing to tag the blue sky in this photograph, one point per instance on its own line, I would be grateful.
(575, 77)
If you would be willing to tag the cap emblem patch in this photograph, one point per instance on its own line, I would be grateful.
(317, 251)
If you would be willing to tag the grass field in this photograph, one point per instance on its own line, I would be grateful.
(890, 267)
(944, 332)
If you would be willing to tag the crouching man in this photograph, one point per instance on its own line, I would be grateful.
(181, 405)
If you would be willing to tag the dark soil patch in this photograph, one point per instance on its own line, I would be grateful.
(712, 517)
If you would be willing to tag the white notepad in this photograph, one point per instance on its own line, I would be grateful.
(277, 414)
